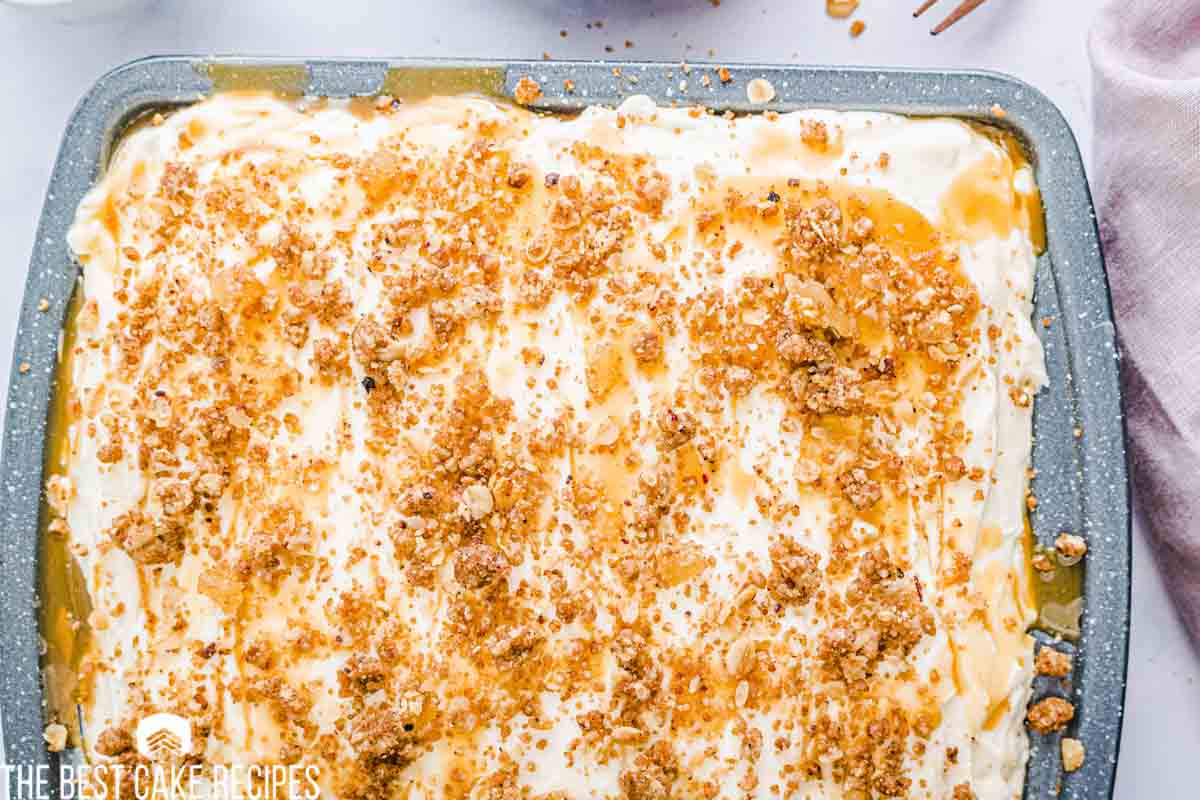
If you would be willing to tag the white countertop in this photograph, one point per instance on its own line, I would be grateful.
(50, 64)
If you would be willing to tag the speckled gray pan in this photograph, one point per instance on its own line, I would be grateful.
(1081, 480)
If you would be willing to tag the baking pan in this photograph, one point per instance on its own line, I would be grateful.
(1078, 452)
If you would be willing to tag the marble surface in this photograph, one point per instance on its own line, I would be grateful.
(50, 62)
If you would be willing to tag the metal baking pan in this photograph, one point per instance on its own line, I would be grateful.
(1081, 479)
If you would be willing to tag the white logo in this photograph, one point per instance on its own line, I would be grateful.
(164, 737)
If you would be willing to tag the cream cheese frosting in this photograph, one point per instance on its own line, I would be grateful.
(646, 453)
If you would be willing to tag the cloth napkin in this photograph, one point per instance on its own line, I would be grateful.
(1146, 64)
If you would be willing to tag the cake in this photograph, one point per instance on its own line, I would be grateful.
(456, 450)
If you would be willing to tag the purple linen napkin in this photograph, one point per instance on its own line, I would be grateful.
(1146, 63)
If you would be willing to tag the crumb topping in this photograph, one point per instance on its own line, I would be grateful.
(1053, 663)
(1050, 715)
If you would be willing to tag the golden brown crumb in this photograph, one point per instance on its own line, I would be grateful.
(1049, 715)
(1072, 754)
(653, 774)
(59, 493)
(43, 304)
(840, 9)
(860, 490)
(647, 346)
(527, 91)
(724, 75)
(113, 742)
(963, 792)
(478, 566)
(799, 349)
(385, 738)
(1070, 547)
(151, 540)
(1042, 562)
(856, 28)
(795, 572)
(23, 367)
(1053, 663)
(677, 428)
(519, 175)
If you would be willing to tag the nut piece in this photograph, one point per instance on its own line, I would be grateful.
(759, 91)
(477, 501)
(1070, 548)
(1052, 663)
(1072, 754)
(56, 737)
(527, 91)
(1049, 715)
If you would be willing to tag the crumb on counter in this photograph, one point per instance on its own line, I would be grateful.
(840, 9)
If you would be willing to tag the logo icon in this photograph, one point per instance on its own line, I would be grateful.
(164, 737)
